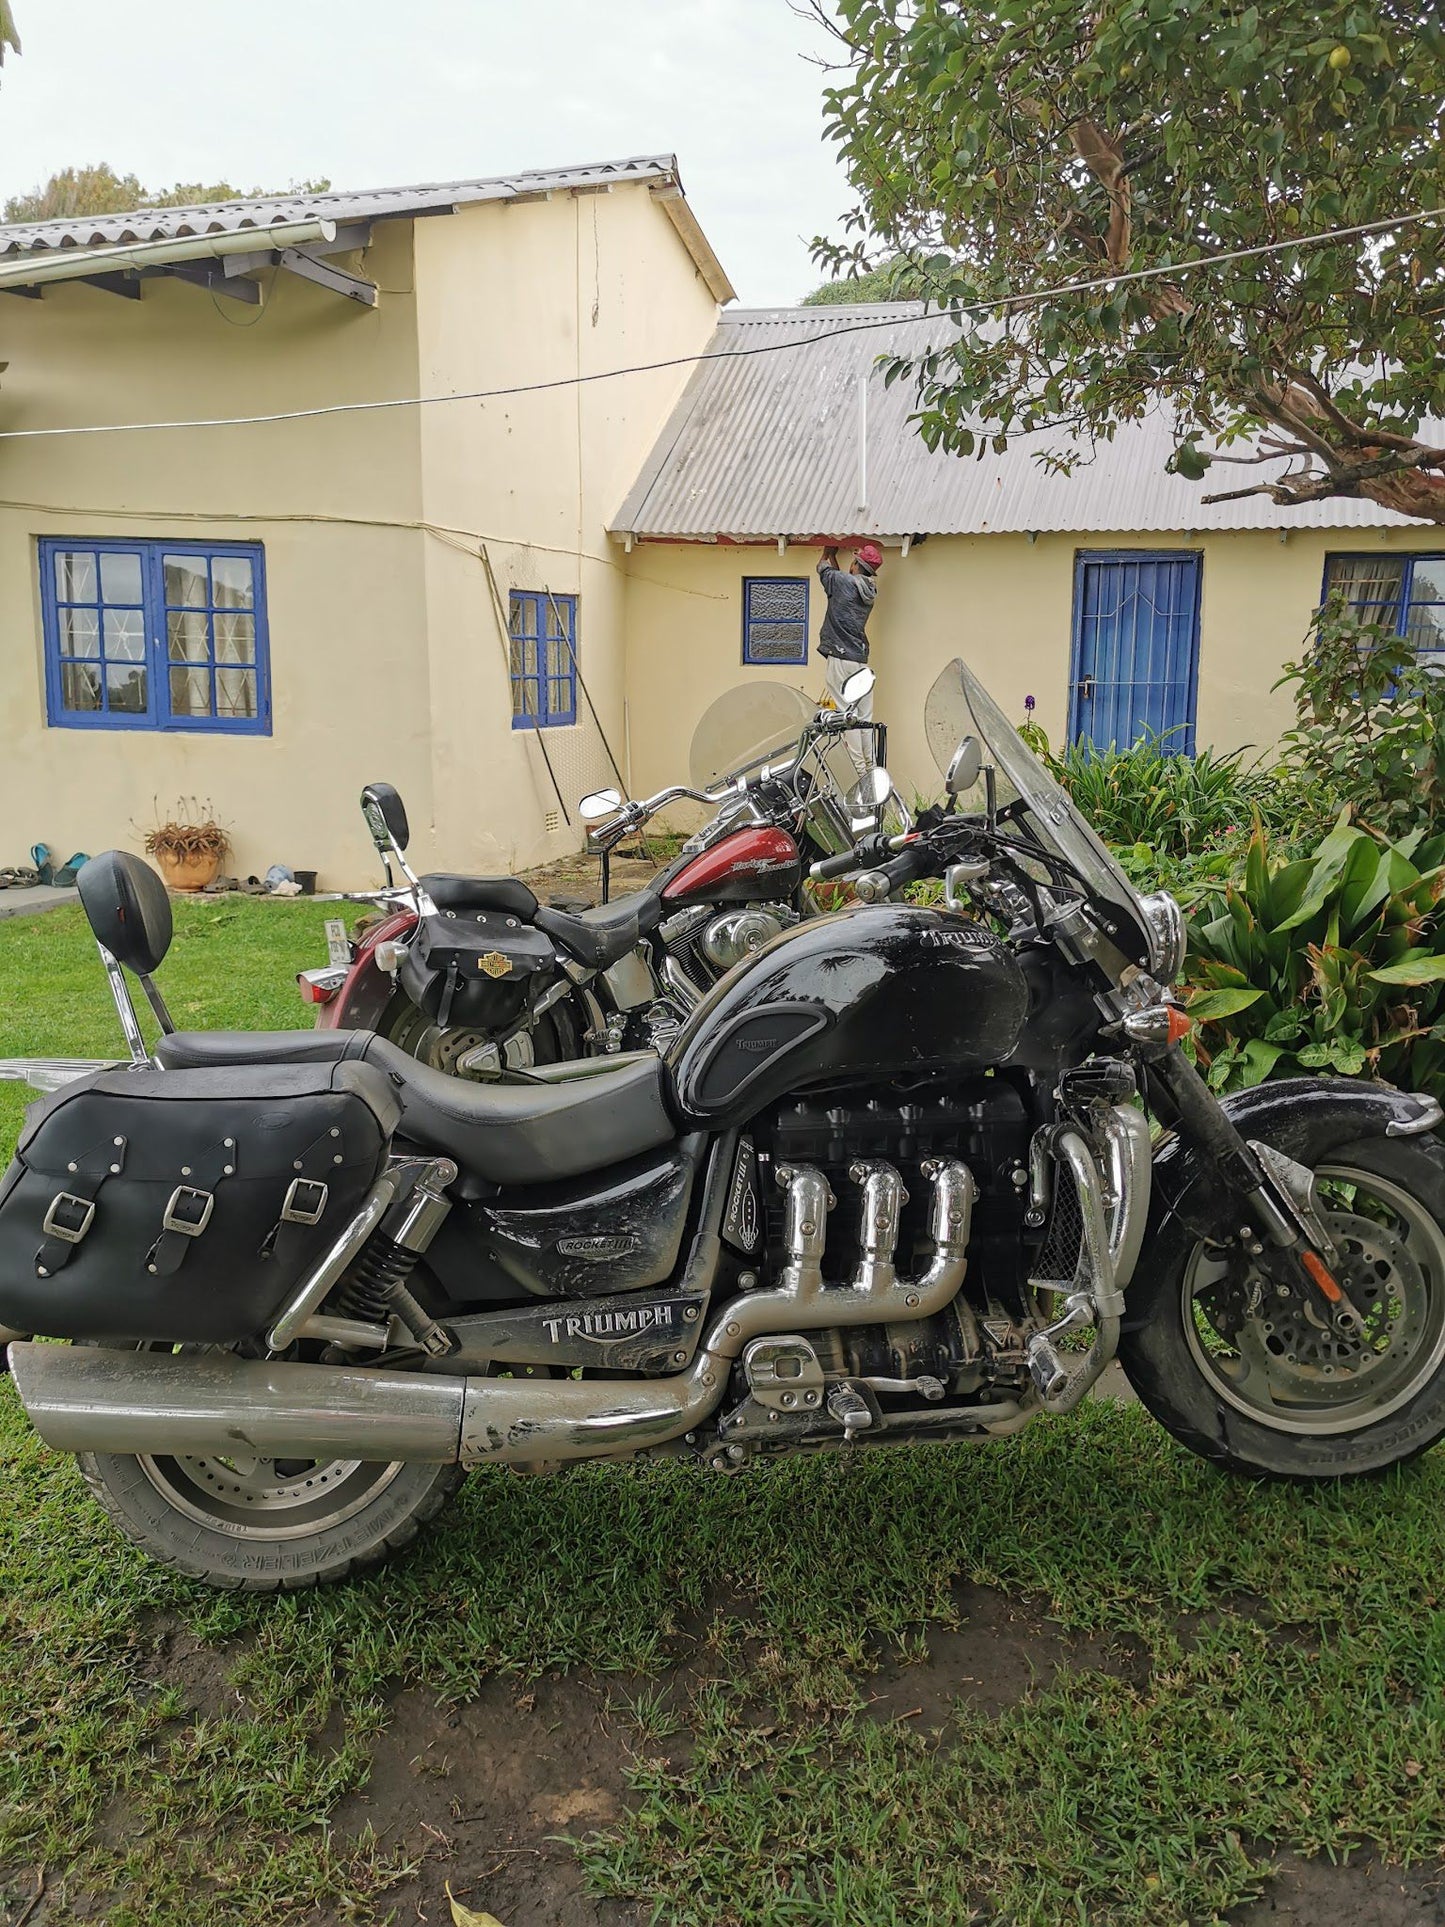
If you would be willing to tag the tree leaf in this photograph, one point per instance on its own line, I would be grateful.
(468, 1916)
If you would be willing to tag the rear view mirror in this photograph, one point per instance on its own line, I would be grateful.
(871, 792)
(966, 767)
(127, 908)
(858, 685)
(385, 815)
(598, 804)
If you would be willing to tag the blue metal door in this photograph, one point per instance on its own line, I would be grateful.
(1136, 648)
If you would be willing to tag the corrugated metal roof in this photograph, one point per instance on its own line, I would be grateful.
(766, 442)
(281, 210)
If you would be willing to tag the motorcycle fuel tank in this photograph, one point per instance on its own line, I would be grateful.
(744, 867)
(882, 991)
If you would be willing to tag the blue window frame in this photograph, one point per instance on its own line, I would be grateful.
(775, 618)
(1404, 592)
(543, 631)
(155, 635)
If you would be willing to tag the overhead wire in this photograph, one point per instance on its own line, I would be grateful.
(991, 305)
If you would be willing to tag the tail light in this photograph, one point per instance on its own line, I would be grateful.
(320, 986)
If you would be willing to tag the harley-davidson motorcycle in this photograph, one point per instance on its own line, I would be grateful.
(473, 976)
(893, 1184)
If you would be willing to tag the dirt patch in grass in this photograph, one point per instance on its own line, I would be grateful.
(479, 1793)
(1002, 1651)
(1360, 1893)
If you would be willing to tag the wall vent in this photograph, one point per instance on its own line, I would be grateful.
(552, 822)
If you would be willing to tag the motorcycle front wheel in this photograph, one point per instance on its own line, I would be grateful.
(1256, 1377)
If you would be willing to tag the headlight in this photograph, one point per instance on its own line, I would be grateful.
(1164, 926)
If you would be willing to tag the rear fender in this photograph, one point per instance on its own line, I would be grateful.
(1304, 1117)
(363, 997)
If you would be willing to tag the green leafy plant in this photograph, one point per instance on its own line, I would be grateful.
(1152, 798)
(1367, 729)
(1329, 962)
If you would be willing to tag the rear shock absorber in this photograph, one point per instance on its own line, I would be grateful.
(375, 1289)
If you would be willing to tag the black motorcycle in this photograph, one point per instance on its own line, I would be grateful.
(895, 1182)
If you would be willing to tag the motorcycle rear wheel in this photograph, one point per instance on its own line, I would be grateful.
(1265, 1387)
(247, 1524)
(553, 1040)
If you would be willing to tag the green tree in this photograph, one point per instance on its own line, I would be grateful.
(1009, 145)
(8, 35)
(895, 280)
(76, 191)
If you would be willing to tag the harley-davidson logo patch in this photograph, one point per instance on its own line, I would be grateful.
(494, 963)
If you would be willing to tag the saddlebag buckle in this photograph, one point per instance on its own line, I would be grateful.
(69, 1217)
(305, 1201)
(189, 1211)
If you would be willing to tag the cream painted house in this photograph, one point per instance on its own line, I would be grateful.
(606, 509)
(1113, 596)
(266, 616)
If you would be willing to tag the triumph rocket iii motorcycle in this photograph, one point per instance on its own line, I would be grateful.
(892, 1184)
(473, 976)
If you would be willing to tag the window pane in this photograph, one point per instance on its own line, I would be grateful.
(773, 601)
(559, 699)
(1425, 626)
(235, 638)
(187, 636)
(75, 575)
(125, 688)
(522, 616)
(79, 686)
(185, 581)
(190, 692)
(120, 578)
(125, 639)
(1427, 579)
(524, 697)
(235, 692)
(1367, 579)
(524, 656)
(231, 586)
(79, 632)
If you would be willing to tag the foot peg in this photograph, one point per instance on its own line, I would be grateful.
(1046, 1368)
(850, 1409)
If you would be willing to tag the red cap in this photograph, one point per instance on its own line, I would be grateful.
(871, 556)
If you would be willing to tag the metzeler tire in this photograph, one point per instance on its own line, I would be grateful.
(181, 1512)
(1182, 1372)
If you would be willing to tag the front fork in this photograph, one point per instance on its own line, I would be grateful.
(1284, 1235)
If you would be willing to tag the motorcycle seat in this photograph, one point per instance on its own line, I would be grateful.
(449, 892)
(600, 937)
(511, 1134)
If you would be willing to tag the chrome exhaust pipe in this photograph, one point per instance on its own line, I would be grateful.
(89, 1399)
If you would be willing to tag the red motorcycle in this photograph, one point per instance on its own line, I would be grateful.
(474, 976)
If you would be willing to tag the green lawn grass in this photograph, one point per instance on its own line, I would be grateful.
(1267, 1671)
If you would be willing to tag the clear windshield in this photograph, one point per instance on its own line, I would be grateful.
(744, 727)
(958, 705)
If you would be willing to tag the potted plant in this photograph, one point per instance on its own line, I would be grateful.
(189, 846)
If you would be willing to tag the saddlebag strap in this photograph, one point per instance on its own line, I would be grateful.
(71, 1212)
(449, 991)
(306, 1197)
(188, 1209)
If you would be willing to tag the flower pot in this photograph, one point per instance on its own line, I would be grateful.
(183, 872)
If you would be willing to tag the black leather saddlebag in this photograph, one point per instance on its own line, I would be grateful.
(184, 1205)
(478, 969)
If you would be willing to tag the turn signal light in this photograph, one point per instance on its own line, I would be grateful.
(1180, 1024)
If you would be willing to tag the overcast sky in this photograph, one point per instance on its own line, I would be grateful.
(372, 93)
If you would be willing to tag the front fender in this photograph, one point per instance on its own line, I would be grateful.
(1304, 1117)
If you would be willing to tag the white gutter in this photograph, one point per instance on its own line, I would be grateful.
(70, 264)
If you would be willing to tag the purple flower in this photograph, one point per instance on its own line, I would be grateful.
(1029, 704)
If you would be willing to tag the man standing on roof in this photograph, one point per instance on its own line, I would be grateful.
(843, 640)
